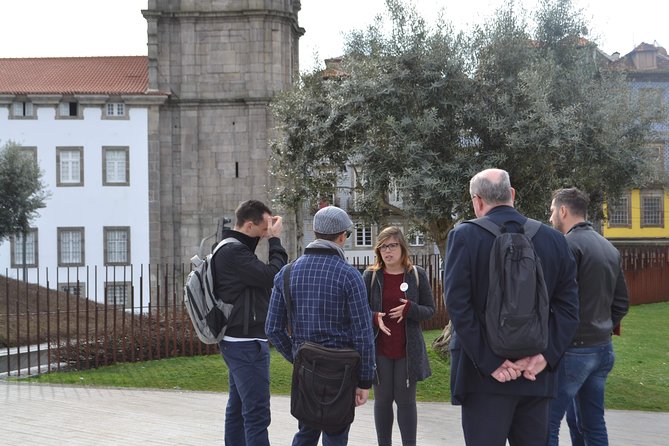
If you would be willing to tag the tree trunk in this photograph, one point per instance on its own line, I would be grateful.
(440, 345)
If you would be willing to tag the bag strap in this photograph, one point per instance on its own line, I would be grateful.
(531, 227)
(286, 293)
(224, 242)
(486, 224)
(415, 273)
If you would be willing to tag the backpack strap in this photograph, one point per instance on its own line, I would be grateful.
(224, 242)
(415, 273)
(486, 224)
(531, 227)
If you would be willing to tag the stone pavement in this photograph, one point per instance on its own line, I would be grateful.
(37, 414)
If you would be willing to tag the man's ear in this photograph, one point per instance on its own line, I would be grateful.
(564, 212)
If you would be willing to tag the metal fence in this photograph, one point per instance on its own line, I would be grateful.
(82, 327)
(43, 329)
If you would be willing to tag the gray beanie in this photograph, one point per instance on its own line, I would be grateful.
(331, 220)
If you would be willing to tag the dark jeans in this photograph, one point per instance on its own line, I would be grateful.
(582, 375)
(393, 388)
(307, 436)
(490, 419)
(247, 415)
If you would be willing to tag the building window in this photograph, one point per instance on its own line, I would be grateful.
(358, 188)
(117, 245)
(652, 208)
(115, 166)
(620, 212)
(363, 235)
(68, 109)
(115, 109)
(655, 156)
(394, 196)
(652, 102)
(77, 289)
(71, 246)
(22, 109)
(18, 260)
(69, 166)
(117, 293)
(415, 237)
(30, 153)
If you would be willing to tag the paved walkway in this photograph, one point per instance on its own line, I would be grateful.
(37, 414)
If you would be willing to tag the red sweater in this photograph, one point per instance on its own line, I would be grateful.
(393, 346)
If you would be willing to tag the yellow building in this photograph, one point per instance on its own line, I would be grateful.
(639, 214)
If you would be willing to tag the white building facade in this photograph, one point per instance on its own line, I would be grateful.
(87, 126)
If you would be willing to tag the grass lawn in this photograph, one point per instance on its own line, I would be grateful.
(639, 381)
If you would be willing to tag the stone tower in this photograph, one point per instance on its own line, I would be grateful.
(221, 62)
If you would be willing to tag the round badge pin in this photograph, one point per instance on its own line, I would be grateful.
(404, 286)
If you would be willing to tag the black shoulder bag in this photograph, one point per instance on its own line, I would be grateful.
(324, 381)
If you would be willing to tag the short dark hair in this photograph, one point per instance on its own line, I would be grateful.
(328, 237)
(575, 200)
(251, 210)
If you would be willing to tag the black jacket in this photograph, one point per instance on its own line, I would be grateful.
(243, 279)
(601, 285)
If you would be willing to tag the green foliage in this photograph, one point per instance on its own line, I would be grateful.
(549, 112)
(21, 190)
(423, 109)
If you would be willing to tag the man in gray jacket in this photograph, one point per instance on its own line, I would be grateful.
(603, 303)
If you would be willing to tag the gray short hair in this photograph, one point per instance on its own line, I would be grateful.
(491, 192)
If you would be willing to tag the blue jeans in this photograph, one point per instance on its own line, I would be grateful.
(247, 415)
(307, 436)
(582, 375)
(574, 423)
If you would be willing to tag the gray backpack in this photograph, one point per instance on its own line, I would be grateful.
(208, 314)
(517, 308)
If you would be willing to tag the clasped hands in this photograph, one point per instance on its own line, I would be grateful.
(395, 313)
(528, 367)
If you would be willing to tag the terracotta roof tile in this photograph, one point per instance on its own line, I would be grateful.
(74, 75)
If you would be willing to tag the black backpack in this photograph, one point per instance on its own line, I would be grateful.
(517, 308)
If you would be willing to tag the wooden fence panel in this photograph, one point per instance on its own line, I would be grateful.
(646, 272)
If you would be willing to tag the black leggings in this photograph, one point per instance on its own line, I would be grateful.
(393, 387)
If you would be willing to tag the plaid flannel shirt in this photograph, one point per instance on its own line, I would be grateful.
(329, 307)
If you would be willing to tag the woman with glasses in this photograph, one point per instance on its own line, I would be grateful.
(400, 297)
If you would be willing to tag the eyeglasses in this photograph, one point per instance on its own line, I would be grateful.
(389, 246)
(348, 233)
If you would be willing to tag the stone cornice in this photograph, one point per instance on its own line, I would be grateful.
(88, 99)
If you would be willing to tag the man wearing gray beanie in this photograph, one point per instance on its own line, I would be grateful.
(329, 307)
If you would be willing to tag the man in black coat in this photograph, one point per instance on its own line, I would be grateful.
(603, 303)
(246, 281)
(503, 398)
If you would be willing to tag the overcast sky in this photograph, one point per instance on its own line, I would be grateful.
(48, 28)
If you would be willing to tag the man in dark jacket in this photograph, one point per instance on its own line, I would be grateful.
(503, 398)
(244, 280)
(603, 303)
